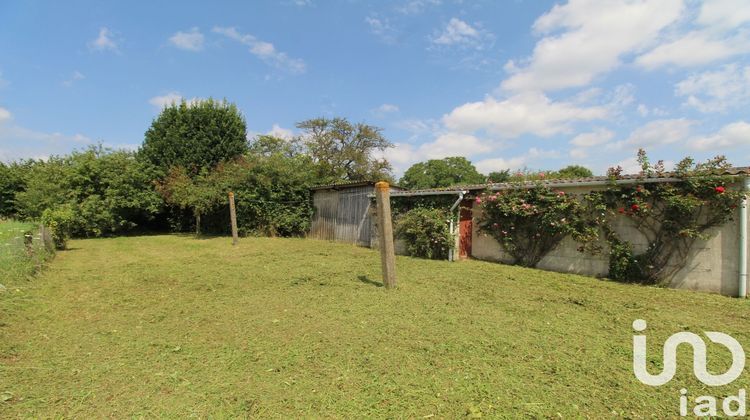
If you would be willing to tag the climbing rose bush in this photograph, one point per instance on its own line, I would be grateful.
(530, 222)
(670, 216)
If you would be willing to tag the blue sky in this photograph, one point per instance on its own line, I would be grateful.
(508, 84)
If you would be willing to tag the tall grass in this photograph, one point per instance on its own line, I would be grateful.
(18, 258)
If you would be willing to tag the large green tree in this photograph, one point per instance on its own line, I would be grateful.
(437, 173)
(195, 136)
(342, 151)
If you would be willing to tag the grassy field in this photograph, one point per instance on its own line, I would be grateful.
(171, 326)
(16, 263)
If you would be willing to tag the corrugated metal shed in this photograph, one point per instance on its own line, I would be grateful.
(342, 212)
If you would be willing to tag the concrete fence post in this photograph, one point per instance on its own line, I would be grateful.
(233, 218)
(385, 231)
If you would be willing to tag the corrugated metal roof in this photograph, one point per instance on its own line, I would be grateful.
(569, 182)
(353, 184)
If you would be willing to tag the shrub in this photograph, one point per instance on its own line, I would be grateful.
(530, 222)
(426, 232)
(62, 223)
(107, 191)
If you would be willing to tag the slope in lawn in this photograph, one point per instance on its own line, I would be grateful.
(175, 326)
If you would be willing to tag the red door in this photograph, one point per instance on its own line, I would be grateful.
(465, 230)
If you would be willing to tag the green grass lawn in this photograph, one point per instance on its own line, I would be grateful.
(172, 326)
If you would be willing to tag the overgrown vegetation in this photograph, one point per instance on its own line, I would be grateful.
(193, 155)
(529, 222)
(671, 216)
(173, 327)
(97, 191)
(23, 251)
(426, 232)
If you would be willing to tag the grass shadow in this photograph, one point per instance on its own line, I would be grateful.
(367, 280)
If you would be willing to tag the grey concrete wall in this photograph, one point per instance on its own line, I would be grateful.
(713, 265)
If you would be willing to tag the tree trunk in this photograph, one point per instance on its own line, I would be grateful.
(197, 223)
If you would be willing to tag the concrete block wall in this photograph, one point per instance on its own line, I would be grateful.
(713, 265)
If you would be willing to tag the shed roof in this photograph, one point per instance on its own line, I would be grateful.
(569, 182)
(352, 184)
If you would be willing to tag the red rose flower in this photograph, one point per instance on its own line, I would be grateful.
(621, 210)
(719, 189)
(635, 207)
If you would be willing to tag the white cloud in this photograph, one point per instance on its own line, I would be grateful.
(693, 49)
(165, 100)
(17, 142)
(629, 166)
(280, 132)
(724, 14)
(579, 152)
(642, 110)
(584, 142)
(416, 6)
(486, 166)
(660, 132)
(717, 34)
(381, 27)
(462, 34)
(528, 112)
(384, 110)
(76, 76)
(714, 91)
(453, 144)
(388, 108)
(104, 42)
(190, 41)
(645, 111)
(731, 135)
(532, 156)
(170, 98)
(594, 35)
(402, 155)
(265, 51)
(592, 138)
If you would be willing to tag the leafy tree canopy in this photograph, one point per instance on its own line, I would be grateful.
(499, 176)
(342, 151)
(574, 171)
(106, 191)
(195, 136)
(437, 173)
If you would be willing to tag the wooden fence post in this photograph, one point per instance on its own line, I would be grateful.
(385, 233)
(233, 217)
